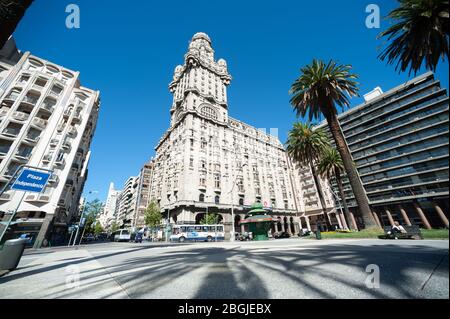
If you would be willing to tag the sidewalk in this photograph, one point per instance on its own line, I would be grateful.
(57, 275)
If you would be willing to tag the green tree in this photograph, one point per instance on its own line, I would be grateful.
(420, 34)
(210, 219)
(330, 166)
(98, 229)
(318, 90)
(152, 216)
(306, 146)
(91, 212)
(114, 227)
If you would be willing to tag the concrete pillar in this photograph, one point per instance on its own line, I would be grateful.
(338, 218)
(404, 215)
(389, 215)
(440, 213)
(282, 227)
(276, 227)
(242, 228)
(300, 226)
(43, 231)
(352, 217)
(422, 216)
(343, 221)
(308, 225)
(288, 226)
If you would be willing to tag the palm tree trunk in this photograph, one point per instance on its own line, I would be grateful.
(11, 12)
(321, 197)
(350, 169)
(343, 199)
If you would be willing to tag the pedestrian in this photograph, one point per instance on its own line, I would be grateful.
(396, 229)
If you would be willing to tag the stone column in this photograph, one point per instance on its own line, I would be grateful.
(375, 216)
(283, 226)
(422, 216)
(300, 226)
(308, 225)
(352, 217)
(288, 226)
(389, 215)
(242, 228)
(404, 215)
(276, 227)
(440, 213)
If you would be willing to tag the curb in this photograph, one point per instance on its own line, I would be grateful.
(3, 272)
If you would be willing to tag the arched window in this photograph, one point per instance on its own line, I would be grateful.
(209, 112)
(241, 201)
(217, 199)
(201, 198)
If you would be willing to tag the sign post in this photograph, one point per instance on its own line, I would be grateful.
(30, 179)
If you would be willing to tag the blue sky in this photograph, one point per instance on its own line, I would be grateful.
(129, 54)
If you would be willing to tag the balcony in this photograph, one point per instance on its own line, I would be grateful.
(11, 97)
(48, 107)
(54, 142)
(67, 146)
(60, 162)
(11, 132)
(23, 154)
(39, 122)
(54, 179)
(72, 131)
(76, 118)
(4, 111)
(32, 138)
(47, 158)
(4, 149)
(30, 100)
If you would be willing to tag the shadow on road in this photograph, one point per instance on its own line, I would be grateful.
(236, 273)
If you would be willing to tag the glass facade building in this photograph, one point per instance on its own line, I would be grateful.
(399, 143)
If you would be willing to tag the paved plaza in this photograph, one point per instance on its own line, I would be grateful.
(291, 268)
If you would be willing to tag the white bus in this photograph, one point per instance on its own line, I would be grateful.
(182, 233)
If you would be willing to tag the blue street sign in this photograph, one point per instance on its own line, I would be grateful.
(31, 181)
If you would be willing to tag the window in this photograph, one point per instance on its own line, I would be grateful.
(241, 201)
(208, 112)
(217, 180)
(56, 89)
(217, 199)
(201, 198)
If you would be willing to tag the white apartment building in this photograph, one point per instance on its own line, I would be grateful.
(47, 120)
(126, 205)
(108, 214)
(210, 161)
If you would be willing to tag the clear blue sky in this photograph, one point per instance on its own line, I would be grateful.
(129, 54)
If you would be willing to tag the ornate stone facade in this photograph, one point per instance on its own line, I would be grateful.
(209, 162)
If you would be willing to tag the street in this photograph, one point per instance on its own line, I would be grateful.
(287, 268)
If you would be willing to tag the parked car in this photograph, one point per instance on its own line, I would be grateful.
(281, 235)
(138, 238)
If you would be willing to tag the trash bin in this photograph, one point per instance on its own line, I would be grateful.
(11, 253)
(318, 234)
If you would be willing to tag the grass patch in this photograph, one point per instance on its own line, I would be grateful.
(366, 233)
(435, 233)
(374, 233)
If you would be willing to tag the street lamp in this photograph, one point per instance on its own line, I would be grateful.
(81, 218)
(340, 206)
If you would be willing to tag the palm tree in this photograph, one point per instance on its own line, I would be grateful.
(11, 12)
(331, 166)
(305, 146)
(317, 91)
(420, 33)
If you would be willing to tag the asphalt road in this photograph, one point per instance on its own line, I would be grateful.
(292, 268)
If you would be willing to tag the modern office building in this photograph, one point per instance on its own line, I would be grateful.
(399, 143)
(143, 194)
(210, 162)
(47, 120)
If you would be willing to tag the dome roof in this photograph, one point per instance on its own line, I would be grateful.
(201, 35)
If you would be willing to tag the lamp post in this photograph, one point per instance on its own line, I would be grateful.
(168, 218)
(232, 207)
(340, 206)
(81, 218)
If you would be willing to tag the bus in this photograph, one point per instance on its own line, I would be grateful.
(209, 233)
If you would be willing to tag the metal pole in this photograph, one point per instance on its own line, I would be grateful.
(70, 239)
(82, 234)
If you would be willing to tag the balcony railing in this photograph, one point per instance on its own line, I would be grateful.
(4, 150)
(4, 111)
(30, 100)
(40, 122)
(20, 116)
